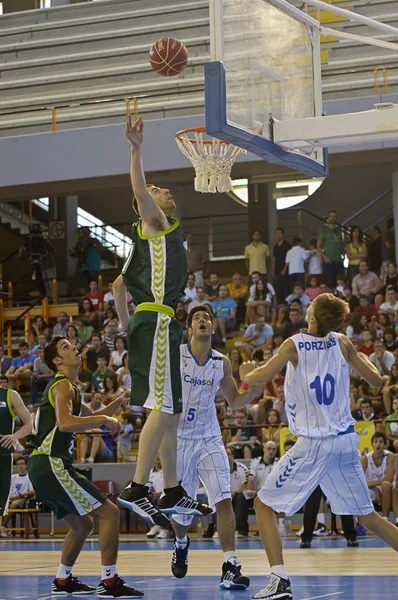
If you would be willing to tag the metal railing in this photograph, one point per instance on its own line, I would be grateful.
(6, 326)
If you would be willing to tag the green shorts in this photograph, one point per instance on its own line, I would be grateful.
(5, 482)
(63, 489)
(154, 340)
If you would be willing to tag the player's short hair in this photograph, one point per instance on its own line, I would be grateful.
(330, 313)
(379, 435)
(135, 202)
(197, 309)
(51, 352)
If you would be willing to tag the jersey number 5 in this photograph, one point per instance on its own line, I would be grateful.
(324, 392)
(191, 414)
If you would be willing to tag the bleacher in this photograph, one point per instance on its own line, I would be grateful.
(85, 59)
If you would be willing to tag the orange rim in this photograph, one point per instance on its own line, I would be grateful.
(197, 130)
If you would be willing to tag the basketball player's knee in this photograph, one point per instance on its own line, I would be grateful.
(84, 526)
(109, 512)
(386, 486)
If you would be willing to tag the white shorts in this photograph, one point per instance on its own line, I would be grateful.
(333, 463)
(205, 460)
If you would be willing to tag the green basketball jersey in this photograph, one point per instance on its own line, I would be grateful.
(7, 417)
(156, 267)
(47, 438)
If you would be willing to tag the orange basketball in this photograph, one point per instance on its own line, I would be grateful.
(168, 57)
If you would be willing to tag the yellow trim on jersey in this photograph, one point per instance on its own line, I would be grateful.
(50, 396)
(156, 307)
(161, 233)
(10, 407)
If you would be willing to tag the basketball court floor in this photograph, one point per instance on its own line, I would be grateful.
(328, 570)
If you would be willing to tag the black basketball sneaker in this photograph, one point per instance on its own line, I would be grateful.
(136, 498)
(277, 589)
(232, 578)
(179, 561)
(176, 501)
(72, 586)
(117, 590)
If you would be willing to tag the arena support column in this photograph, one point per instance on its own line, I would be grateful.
(63, 237)
(262, 211)
(395, 204)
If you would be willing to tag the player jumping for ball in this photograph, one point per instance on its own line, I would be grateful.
(318, 407)
(155, 274)
(201, 453)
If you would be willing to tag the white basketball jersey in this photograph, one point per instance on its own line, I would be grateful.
(374, 472)
(317, 391)
(199, 386)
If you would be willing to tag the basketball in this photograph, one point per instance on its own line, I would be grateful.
(168, 57)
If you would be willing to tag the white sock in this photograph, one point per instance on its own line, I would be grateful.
(396, 520)
(322, 518)
(281, 520)
(181, 543)
(90, 460)
(386, 518)
(108, 572)
(63, 572)
(279, 570)
(231, 557)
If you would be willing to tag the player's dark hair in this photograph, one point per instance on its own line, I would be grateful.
(195, 310)
(379, 435)
(51, 352)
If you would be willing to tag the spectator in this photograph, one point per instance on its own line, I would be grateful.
(379, 323)
(190, 291)
(212, 291)
(21, 491)
(236, 360)
(21, 367)
(389, 240)
(279, 403)
(84, 381)
(111, 333)
(238, 292)
(38, 326)
(261, 299)
(88, 315)
(330, 245)
(225, 310)
(382, 359)
(366, 346)
(156, 482)
(5, 361)
(313, 290)
(97, 441)
(84, 332)
(244, 439)
(257, 255)
(355, 397)
(41, 376)
(72, 336)
(350, 298)
(392, 428)
(295, 324)
(109, 301)
(98, 380)
(201, 298)
(4, 382)
(294, 263)
(271, 429)
(373, 394)
(41, 343)
(341, 284)
(391, 306)
(110, 315)
(239, 474)
(96, 297)
(314, 260)
(277, 340)
(355, 330)
(389, 279)
(124, 439)
(375, 251)
(62, 324)
(356, 251)
(379, 469)
(197, 259)
(257, 336)
(298, 294)
(390, 390)
(118, 352)
(365, 308)
(389, 340)
(181, 315)
(123, 373)
(111, 389)
(281, 280)
(365, 283)
(94, 350)
(366, 412)
(88, 256)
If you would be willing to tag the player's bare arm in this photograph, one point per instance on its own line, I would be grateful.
(153, 219)
(109, 410)
(360, 362)
(64, 395)
(235, 397)
(9, 441)
(286, 353)
(120, 297)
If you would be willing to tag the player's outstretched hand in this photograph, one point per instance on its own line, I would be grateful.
(112, 424)
(8, 441)
(246, 368)
(135, 133)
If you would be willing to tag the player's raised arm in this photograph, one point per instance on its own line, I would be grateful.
(19, 408)
(147, 207)
(235, 397)
(287, 352)
(360, 363)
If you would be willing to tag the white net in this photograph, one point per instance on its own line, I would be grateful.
(211, 159)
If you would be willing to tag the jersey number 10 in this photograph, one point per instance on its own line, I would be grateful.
(324, 392)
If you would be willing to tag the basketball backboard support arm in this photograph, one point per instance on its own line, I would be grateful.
(218, 126)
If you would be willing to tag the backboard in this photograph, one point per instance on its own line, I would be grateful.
(265, 68)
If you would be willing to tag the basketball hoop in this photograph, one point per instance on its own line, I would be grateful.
(212, 159)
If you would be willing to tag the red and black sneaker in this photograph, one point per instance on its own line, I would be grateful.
(118, 589)
(72, 586)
